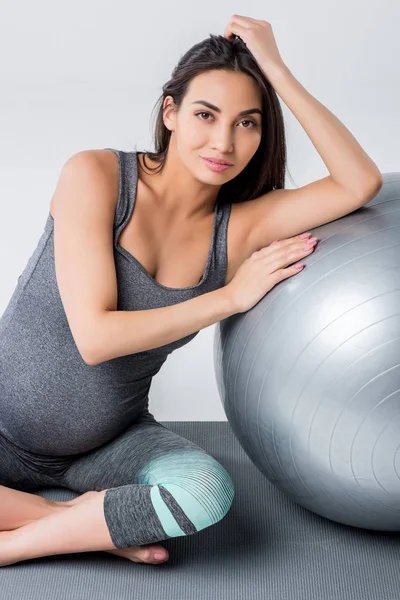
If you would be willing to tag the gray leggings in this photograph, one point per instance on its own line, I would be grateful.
(159, 484)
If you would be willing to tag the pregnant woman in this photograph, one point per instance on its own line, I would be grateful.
(140, 252)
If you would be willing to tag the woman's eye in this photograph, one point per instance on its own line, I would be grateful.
(204, 113)
(253, 123)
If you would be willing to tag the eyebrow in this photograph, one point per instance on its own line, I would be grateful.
(213, 107)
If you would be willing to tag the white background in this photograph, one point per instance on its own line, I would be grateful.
(87, 74)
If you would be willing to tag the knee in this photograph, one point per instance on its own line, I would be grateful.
(204, 494)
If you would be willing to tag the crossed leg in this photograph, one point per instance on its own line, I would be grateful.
(148, 484)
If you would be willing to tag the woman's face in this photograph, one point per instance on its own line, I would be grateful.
(201, 131)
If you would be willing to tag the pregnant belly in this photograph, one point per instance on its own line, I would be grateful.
(56, 422)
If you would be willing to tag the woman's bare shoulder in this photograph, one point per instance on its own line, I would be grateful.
(107, 160)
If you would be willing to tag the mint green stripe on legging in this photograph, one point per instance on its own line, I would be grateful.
(198, 483)
(167, 519)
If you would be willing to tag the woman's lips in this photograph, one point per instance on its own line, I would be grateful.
(216, 166)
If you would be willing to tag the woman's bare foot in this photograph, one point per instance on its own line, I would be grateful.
(143, 554)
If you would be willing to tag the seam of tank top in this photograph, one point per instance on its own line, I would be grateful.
(131, 258)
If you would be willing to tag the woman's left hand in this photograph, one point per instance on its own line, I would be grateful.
(259, 39)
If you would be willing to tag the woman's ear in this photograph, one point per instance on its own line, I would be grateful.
(169, 109)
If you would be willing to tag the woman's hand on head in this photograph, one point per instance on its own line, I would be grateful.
(257, 35)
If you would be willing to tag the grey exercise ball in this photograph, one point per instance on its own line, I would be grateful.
(309, 378)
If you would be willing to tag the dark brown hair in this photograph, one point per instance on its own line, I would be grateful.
(266, 169)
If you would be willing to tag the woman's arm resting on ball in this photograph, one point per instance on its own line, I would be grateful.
(281, 214)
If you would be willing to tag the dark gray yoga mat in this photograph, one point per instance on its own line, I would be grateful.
(267, 547)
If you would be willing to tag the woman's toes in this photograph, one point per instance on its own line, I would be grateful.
(161, 556)
(145, 554)
(153, 552)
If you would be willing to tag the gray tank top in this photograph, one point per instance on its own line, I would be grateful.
(51, 402)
